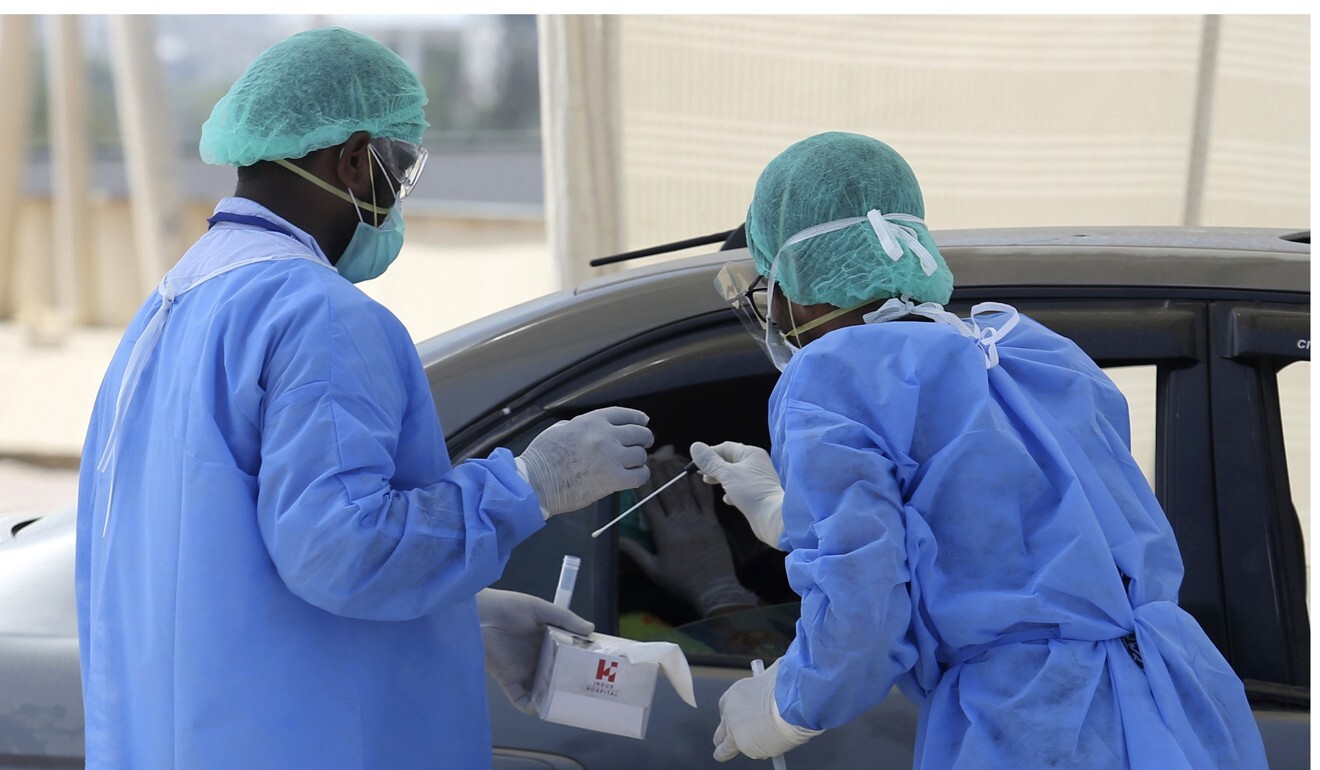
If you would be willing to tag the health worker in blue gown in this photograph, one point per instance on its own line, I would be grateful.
(277, 566)
(959, 503)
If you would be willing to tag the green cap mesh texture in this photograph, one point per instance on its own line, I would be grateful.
(833, 176)
(313, 90)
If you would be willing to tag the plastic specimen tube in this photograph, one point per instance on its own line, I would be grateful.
(567, 579)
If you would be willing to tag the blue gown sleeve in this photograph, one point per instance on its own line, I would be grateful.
(340, 532)
(844, 516)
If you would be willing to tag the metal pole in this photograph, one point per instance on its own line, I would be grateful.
(15, 112)
(581, 140)
(1198, 157)
(70, 169)
(149, 150)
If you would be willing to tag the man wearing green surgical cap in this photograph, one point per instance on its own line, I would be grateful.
(277, 564)
(960, 505)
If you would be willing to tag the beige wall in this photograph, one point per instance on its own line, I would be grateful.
(1259, 166)
(1007, 120)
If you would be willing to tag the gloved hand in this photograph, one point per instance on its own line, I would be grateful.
(750, 722)
(576, 462)
(512, 626)
(750, 484)
(692, 556)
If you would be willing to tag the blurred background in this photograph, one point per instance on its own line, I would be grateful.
(557, 139)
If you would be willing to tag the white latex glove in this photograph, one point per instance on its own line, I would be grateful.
(576, 462)
(750, 484)
(750, 722)
(512, 627)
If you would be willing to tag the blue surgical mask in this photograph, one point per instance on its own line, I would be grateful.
(372, 249)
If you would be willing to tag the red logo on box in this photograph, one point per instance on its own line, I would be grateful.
(606, 669)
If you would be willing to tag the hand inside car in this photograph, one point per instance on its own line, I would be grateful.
(692, 557)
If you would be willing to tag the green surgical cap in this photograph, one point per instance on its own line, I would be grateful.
(838, 176)
(310, 91)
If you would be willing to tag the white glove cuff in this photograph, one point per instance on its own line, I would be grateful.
(724, 592)
(522, 471)
(768, 526)
(799, 735)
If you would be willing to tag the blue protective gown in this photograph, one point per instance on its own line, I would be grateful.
(288, 572)
(960, 531)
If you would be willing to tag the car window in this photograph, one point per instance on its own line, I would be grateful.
(1295, 409)
(733, 409)
(649, 611)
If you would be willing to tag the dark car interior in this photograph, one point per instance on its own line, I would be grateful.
(700, 394)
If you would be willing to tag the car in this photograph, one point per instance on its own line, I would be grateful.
(1198, 325)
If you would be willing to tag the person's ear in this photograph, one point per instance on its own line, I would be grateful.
(782, 310)
(353, 166)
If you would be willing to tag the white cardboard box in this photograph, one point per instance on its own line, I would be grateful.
(578, 684)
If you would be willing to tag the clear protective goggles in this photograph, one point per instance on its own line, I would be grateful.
(402, 160)
(747, 293)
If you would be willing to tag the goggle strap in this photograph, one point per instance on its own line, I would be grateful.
(798, 331)
(324, 185)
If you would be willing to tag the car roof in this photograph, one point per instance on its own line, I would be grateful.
(1253, 259)
(1256, 259)
(480, 366)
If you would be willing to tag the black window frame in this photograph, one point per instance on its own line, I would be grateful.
(1263, 557)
